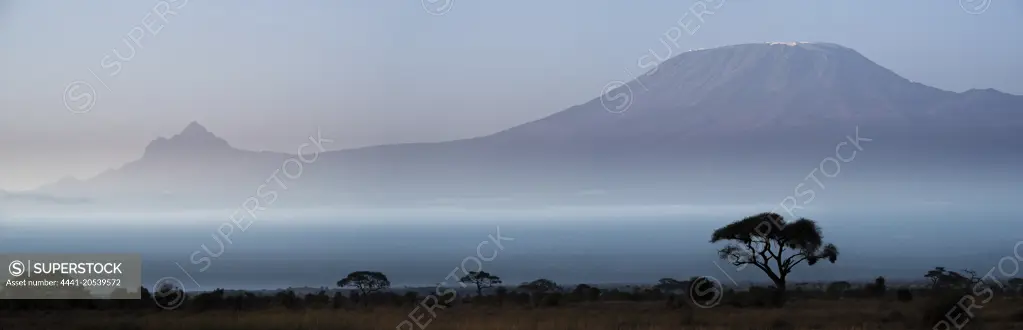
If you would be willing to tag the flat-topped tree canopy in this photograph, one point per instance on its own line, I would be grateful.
(772, 244)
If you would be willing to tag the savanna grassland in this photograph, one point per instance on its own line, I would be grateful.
(845, 313)
(366, 300)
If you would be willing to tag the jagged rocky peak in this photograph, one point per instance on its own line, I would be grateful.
(193, 139)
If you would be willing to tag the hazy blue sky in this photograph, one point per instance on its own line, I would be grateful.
(265, 74)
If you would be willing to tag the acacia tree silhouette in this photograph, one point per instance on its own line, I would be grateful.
(483, 280)
(942, 279)
(671, 285)
(366, 282)
(774, 246)
(539, 287)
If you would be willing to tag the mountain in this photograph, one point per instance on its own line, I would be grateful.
(751, 91)
(194, 140)
(736, 123)
(188, 168)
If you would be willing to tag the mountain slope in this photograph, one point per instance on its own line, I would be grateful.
(746, 88)
(736, 122)
(190, 167)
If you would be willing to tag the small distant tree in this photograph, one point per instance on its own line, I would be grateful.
(1016, 285)
(671, 285)
(773, 245)
(208, 300)
(586, 292)
(366, 282)
(838, 288)
(904, 295)
(552, 299)
(942, 279)
(289, 299)
(542, 285)
(482, 280)
(318, 300)
(169, 296)
(879, 287)
(539, 287)
(935, 276)
(703, 289)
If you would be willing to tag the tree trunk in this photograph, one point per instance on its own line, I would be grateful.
(779, 297)
(479, 290)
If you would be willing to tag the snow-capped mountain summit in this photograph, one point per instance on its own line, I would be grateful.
(731, 120)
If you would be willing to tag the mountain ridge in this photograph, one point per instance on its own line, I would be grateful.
(750, 111)
(693, 93)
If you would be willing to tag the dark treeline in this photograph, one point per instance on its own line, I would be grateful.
(542, 293)
(765, 241)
